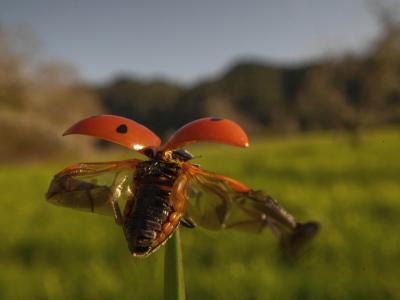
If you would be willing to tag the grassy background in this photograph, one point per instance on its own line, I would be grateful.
(48, 252)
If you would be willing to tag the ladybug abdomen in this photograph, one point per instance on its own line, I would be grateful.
(150, 216)
(145, 221)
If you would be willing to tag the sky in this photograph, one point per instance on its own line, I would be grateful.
(189, 40)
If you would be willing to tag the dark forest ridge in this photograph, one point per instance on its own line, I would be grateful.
(344, 93)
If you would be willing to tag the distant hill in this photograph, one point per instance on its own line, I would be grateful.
(346, 93)
(256, 93)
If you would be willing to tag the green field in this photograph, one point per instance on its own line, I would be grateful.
(48, 252)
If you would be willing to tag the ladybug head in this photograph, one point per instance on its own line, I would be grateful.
(150, 152)
(181, 155)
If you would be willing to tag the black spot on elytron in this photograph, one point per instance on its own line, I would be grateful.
(216, 119)
(122, 128)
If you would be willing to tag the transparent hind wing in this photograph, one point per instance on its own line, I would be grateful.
(218, 202)
(94, 187)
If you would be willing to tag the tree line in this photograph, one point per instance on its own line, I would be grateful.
(39, 101)
(347, 93)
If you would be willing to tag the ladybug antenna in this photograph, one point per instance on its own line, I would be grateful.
(197, 156)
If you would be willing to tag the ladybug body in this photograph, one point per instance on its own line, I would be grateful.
(166, 190)
(150, 215)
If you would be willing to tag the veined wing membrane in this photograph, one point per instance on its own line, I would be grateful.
(218, 202)
(93, 187)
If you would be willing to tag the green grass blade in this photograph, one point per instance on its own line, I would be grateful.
(174, 283)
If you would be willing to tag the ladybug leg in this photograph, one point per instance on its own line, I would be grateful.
(117, 212)
(118, 182)
(188, 223)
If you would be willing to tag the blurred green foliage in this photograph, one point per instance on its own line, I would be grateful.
(147, 103)
(49, 252)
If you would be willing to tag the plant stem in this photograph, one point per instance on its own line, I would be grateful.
(174, 283)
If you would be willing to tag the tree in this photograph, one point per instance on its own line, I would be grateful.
(38, 104)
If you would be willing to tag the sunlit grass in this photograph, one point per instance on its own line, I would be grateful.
(57, 253)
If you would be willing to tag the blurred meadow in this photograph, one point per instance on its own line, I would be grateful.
(324, 141)
(50, 252)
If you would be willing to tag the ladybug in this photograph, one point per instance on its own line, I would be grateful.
(166, 190)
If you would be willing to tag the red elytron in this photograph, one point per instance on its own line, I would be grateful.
(166, 190)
